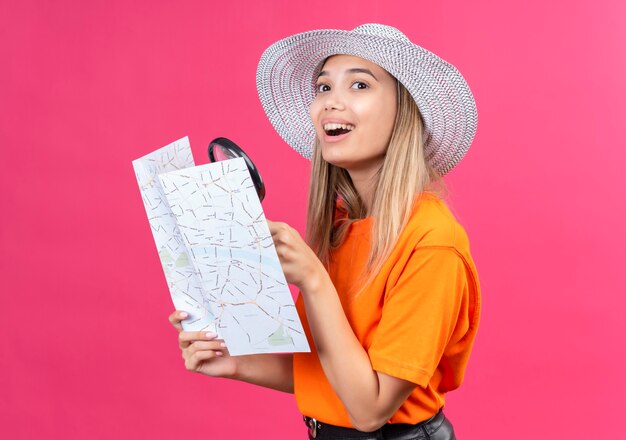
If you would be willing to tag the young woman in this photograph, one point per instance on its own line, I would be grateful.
(389, 295)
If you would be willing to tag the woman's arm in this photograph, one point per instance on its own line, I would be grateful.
(267, 370)
(205, 354)
(370, 397)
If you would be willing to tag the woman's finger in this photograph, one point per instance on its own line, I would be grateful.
(276, 227)
(185, 338)
(196, 346)
(175, 319)
(193, 360)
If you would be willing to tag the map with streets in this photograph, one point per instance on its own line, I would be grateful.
(217, 252)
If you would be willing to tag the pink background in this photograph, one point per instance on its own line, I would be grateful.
(86, 87)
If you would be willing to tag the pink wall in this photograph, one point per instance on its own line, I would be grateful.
(88, 86)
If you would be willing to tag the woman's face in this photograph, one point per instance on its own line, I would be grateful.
(353, 112)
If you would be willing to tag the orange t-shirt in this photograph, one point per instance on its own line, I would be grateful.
(417, 320)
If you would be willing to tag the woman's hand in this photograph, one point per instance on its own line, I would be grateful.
(205, 354)
(301, 266)
(202, 352)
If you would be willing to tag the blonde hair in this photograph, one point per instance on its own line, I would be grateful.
(404, 175)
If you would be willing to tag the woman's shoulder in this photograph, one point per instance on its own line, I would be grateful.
(432, 224)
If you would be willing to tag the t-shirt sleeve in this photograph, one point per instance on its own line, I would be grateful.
(420, 315)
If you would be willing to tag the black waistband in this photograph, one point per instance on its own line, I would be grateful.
(399, 431)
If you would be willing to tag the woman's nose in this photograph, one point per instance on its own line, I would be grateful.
(334, 100)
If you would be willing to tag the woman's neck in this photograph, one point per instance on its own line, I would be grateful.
(364, 182)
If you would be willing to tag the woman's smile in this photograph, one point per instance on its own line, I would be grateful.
(336, 130)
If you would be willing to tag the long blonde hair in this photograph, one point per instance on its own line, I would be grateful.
(404, 175)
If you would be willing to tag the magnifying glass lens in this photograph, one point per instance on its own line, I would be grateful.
(222, 153)
(225, 149)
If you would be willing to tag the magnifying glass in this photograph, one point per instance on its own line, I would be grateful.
(224, 149)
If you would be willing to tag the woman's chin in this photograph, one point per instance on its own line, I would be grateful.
(336, 160)
(368, 166)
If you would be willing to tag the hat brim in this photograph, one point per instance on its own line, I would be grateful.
(288, 70)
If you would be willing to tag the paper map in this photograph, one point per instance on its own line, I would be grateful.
(182, 279)
(217, 253)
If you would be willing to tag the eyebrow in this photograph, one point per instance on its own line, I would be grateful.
(354, 70)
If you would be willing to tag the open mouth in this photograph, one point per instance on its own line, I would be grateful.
(337, 129)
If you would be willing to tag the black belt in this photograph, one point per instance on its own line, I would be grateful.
(435, 428)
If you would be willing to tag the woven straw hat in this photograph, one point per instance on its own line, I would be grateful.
(288, 70)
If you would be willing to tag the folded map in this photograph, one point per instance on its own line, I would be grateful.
(217, 252)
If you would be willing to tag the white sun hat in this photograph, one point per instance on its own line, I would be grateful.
(288, 70)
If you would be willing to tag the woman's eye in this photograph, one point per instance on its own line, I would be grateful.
(323, 88)
(359, 85)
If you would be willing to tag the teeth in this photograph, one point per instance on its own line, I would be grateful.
(333, 126)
